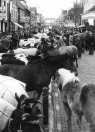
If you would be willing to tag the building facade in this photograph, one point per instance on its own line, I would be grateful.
(88, 4)
(89, 12)
(3, 15)
(15, 14)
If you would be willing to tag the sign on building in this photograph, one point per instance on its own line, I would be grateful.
(2, 8)
(2, 16)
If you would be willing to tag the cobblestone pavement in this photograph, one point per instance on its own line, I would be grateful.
(86, 72)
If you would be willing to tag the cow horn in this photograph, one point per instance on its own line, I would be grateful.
(24, 116)
(34, 122)
(40, 116)
(38, 101)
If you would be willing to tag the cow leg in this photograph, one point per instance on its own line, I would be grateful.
(92, 127)
(79, 122)
(76, 61)
(37, 95)
(68, 113)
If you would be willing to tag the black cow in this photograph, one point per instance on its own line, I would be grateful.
(38, 75)
(19, 59)
(18, 120)
(16, 59)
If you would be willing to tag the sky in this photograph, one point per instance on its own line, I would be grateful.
(51, 8)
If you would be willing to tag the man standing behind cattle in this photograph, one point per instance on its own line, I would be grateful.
(15, 39)
(91, 43)
(71, 39)
(78, 45)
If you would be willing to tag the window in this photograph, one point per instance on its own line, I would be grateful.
(14, 12)
(11, 13)
(4, 3)
(94, 22)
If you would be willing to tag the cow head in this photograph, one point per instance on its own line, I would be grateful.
(23, 104)
(25, 122)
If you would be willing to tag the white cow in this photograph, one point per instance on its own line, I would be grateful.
(9, 87)
(30, 51)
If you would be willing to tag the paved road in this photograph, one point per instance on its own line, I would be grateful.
(86, 72)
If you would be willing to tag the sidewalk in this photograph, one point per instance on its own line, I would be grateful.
(86, 72)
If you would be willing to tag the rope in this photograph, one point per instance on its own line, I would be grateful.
(9, 125)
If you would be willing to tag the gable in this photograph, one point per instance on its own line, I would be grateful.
(92, 9)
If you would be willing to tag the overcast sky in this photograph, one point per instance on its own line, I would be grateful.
(51, 8)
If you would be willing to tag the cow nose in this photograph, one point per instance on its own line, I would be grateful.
(76, 73)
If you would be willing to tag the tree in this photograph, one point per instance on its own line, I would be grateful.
(75, 12)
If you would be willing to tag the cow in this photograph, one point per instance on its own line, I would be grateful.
(11, 91)
(13, 119)
(29, 51)
(77, 97)
(19, 59)
(38, 75)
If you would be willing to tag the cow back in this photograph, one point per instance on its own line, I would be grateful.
(8, 88)
(6, 110)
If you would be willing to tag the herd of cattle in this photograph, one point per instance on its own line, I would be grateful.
(29, 68)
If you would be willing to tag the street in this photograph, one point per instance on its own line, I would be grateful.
(86, 74)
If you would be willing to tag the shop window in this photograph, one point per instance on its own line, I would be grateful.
(4, 3)
(1, 26)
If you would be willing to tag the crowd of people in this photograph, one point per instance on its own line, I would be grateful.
(83, 41)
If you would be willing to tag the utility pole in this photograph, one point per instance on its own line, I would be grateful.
(8, 17)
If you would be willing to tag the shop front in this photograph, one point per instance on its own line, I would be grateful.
(15, 26)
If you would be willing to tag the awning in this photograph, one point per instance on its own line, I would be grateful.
(17, 24)
(81, 26)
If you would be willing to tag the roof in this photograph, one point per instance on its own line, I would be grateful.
(80, 26)
(91, 9)
(20, 5)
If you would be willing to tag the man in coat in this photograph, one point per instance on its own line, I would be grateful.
(91, 43)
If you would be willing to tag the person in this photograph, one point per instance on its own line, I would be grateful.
(82, 40)
(71, 39)
(78, 45)
(14, 39)
(91, 43)
(25, 35)
(67, 36)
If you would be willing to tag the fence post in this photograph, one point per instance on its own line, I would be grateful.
(45, 106)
